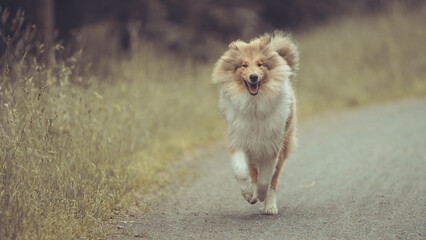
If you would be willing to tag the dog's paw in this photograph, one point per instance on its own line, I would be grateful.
(271, 210)
(250, 199)
(253, 200)
(270, 203)
(247, 192)
(248, 195)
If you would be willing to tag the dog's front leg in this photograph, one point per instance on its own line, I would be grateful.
(264, 193)
(240, 167)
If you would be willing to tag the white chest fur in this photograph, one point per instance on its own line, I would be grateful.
(256, 124)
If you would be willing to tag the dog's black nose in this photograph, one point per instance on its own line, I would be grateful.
(253, 77)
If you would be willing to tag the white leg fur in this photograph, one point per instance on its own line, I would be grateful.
(242, 174)
(270, 204)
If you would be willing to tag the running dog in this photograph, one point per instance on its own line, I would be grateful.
(258, 103)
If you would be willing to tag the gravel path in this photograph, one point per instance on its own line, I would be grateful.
(358, 174)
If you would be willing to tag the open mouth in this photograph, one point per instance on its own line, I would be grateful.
(253, 88)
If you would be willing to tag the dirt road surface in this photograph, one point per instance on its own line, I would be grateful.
(357, 174)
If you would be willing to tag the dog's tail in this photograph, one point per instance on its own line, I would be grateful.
(282, 43)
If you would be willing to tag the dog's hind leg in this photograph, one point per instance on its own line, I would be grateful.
(289, 141)
(270, 202)
(242, 173)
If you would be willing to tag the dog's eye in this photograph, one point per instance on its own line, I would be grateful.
(244, 65)
(259, 64)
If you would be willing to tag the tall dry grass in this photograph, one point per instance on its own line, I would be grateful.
(362, 59)
(74, 148)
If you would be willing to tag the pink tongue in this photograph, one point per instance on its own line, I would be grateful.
(253, 89)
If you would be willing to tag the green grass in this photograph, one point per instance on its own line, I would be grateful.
(76, 149)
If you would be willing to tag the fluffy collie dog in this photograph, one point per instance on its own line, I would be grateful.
(258, 104)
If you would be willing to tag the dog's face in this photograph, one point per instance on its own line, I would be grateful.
(252, 70)
(251, 63)
(249, 67)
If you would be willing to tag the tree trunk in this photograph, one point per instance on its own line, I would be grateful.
(45, 17)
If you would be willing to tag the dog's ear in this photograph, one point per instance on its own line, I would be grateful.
(286, 48)
(233, 45)
(237, 44)
(290, 54)
(264, 41)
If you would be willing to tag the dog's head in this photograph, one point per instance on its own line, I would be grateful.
(252, 62)
(258, 66)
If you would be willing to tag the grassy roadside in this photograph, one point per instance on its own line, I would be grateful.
(74, 149)
(359, 60)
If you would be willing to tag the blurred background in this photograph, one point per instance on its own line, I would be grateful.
(183, 26)
(187, 27)
(100, 99)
